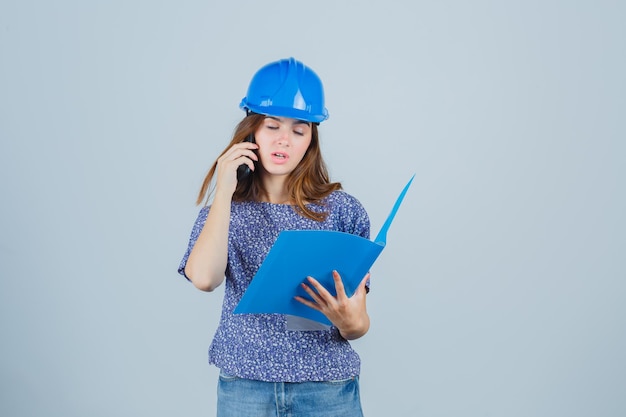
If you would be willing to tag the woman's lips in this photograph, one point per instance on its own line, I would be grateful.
(279, 157)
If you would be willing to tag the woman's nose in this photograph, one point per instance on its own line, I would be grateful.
(284, 138)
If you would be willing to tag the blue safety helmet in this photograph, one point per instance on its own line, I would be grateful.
(286, 88)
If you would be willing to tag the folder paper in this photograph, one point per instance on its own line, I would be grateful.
(297, 254)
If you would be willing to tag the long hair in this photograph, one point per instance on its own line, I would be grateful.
(308, 183)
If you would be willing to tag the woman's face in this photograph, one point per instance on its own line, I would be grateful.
(282, 143)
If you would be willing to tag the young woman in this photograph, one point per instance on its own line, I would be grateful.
(268, 365)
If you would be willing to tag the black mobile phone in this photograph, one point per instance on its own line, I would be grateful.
(243, 171)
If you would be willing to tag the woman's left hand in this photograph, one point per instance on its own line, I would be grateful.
(348, 314)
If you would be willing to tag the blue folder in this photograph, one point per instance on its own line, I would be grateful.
(297, 254)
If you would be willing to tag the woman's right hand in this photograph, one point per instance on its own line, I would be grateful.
(227, 164)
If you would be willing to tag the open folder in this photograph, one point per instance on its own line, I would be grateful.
(297, 254)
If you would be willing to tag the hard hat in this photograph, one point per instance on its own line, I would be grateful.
(286, 88)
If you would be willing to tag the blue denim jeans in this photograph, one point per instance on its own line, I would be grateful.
(238, 397)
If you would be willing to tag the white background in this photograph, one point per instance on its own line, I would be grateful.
(501, 291)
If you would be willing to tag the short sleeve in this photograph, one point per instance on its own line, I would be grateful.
(362, 223)
(195, 232)
(355, 219)
(362, 228)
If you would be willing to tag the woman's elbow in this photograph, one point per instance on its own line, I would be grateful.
(203, 283)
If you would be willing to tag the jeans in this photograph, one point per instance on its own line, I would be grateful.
(238, 397)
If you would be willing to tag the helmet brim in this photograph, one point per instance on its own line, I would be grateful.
(285, 112)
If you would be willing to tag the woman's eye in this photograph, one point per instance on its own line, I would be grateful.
(298, 132)
(272, 127)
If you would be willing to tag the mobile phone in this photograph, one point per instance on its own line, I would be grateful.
(243, 170)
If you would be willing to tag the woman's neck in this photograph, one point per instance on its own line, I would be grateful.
(276, 191)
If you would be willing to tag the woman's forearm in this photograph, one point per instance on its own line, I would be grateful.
(357, 328)
(207, 261)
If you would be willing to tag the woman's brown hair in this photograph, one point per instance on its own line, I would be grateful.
(308, 183)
